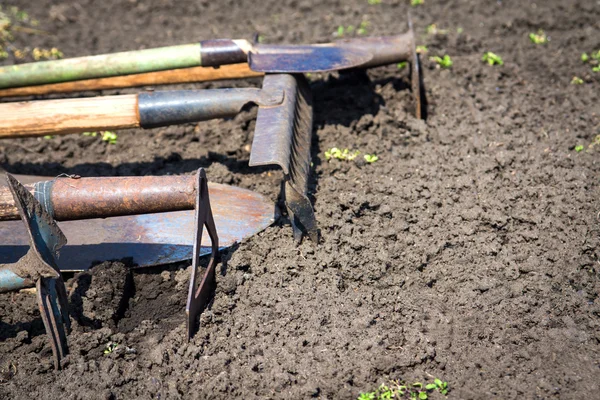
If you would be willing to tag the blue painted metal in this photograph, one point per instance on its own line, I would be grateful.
(10, 281)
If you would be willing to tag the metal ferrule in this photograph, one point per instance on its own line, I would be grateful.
(183, 106)
(385, 49)
(221, 52)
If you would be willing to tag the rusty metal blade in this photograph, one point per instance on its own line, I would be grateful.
(152, 239)
(305, 58)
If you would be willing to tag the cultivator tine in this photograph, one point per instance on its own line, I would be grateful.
(39, 265)
(199, 295)
(415, 72)
(283, 136)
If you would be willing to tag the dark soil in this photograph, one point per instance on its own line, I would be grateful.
(468, 252)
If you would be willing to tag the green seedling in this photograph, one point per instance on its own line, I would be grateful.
(492, 58)
(370, 158)
(48, 137)
(459, 30)
(338, 154)
(579, 148)
(433, 30)
(415, 3)
(362, 28)
(374, 2)
(92, 134)
(341, 30)
(401, 65)
(422, 50)
(109, 137)
(539, 37)
(401, 390)
(444, 62)
(585, 57)
(596, 68)
(110, 347)
(576, 81)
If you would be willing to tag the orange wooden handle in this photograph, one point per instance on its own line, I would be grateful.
(59, 117)
(183, 75)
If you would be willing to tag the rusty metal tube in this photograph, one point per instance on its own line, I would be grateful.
(72, 199)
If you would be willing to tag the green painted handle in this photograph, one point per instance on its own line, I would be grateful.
(101, 66)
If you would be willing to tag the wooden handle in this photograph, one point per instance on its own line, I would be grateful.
(183, 75)
(58, 117)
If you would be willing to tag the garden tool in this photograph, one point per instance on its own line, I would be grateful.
(282, 136)
(93, 72)
(114, 232)
(46, 239)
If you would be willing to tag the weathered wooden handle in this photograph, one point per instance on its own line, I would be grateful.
(58, 117)
(182, 75)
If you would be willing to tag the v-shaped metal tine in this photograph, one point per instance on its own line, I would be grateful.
(39, 265)
(199, 295)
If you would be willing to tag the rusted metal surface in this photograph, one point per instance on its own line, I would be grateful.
(85, 198)
(152, 239)
(39, 264)
(283, 137)
(221, 52)
(198, 295)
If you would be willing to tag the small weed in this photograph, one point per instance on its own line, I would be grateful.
(459, 30)
(401, 390)
(92, 134)
(433, 30)
(596, 68)
(13, 19)
(110, 347)
(579, 148)
(362, 28)
(576, 81)
(422, 50)
(374, 2)
(401, 65)
(48, 137)
(370, 158)
(585, 57)
(109, 137)
(539, 37)
(593, 59)
(444, 62)
(492, 58)
(345, 154)
(415, 3)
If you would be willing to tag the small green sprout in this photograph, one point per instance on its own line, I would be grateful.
(93, 134)
(492, 58)
(48, 137)
(345, 154)
(401, 65)
(362, 28)
(110, 347)
(422, 49)
(370, 158)
(576, 81)
(596, 68)
(400, 390)
(585, 57)
(444, 62)
(433, 30)
(374, 2)
(415, 3)
(579, 148)
(539, 37)
(109, 137)
(260, 38)
(459, 30)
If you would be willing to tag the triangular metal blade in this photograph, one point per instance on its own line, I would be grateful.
(305, 58)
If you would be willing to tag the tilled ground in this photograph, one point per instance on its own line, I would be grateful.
(468, 252)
